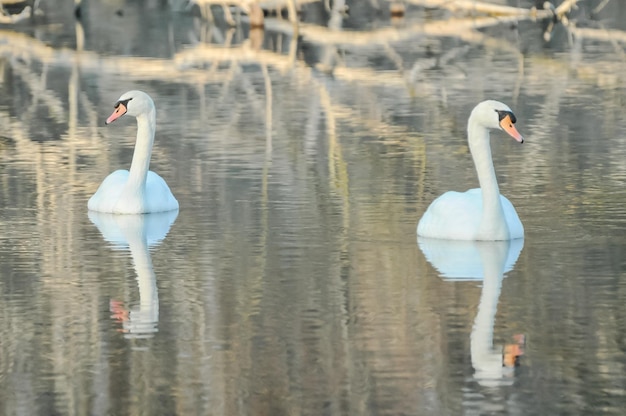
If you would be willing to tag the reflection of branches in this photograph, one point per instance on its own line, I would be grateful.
(15, 45)
(372, 38)
(268, 110)
(598, 34)
(203, 63)
(190, 65)
(37, 85)
(600, 6)
(471, 6)
(8, 19)
(498, 10)
(250, 6)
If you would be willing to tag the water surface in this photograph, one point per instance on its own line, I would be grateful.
(291, 280)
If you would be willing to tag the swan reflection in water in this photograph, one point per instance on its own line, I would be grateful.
(485, 261)
(137, 233)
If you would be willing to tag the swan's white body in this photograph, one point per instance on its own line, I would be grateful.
(481, 213)
(138, 191)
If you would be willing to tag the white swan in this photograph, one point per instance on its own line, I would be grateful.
(482, 213)
(139, 191)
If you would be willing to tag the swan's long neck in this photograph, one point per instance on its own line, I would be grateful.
(143, 150)
(493, 225)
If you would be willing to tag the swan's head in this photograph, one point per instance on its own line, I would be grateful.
(495, 115)
(133, 103)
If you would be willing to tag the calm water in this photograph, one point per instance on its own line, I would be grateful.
(290, 281)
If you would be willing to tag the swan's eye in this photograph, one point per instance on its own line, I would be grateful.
(123, 102)
(503, 113)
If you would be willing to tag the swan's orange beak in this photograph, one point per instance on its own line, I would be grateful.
(507, 125)
(120, 110)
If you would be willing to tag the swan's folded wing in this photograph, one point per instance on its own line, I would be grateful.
(516, 229)
(158, 196)
(108, 192)
(454, 215)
